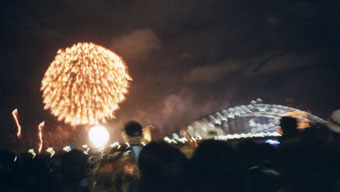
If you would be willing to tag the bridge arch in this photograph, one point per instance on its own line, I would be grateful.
(253, 120)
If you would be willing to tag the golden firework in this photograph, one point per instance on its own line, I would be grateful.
(84, 84)
(15, 116)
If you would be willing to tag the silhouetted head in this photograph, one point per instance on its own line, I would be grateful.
(288, 126)
(133, 129)
(215, 166)
(161, 166)
(161, 159)
(74, 166)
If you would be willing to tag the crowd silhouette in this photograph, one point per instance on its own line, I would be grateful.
(305, 160)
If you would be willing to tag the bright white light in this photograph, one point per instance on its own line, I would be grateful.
(273, 142)
(99, 136)
(50, 151)
(67, 149)
(31, 151)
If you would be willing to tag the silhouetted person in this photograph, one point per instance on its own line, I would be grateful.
(304, 161)
(133, 129)
(118, 171)
(162, 167)
(306, 165)
(74, 171)
(333, 123)
(214, 167)
(289, 129)
(7, 167)
(257, 160)
(133, 134)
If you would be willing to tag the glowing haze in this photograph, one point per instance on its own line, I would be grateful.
(84, 84)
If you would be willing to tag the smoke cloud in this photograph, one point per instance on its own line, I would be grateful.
(137, 44)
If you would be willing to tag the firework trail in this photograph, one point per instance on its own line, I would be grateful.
(15, 115)
(84, 84)
(41, 126)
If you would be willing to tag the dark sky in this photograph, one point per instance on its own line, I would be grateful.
(187, 58)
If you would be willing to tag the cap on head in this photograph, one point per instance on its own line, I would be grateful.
(334, 121)
(133, 129)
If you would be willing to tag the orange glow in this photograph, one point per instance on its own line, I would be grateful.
(192, 142)
(303, 122)
(15, 116)
(84, 84)
(40, 128)
(186, 133)
(147, 134)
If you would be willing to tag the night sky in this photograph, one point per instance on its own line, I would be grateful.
(187, 58)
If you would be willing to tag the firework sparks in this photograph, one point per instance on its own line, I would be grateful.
(67, 149)
(15, 115)
(31, 151)
(41, 126)
(115, 144)
(84, 84)
(87, 149)
(50, 151)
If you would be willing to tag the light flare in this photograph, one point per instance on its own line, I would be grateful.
(67, 149)
(147, 134)
(40, 128)
(15, 115)
(99, 136)
(84, 84)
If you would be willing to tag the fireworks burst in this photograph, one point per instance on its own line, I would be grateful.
(15, 116)
(84, 84)
(41, 126)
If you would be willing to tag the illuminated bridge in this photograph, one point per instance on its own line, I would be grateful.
(244, 121)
